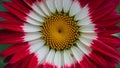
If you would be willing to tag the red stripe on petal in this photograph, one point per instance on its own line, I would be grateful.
(93, 4)
(14, 26)
(22, 53)
(10, 17)
(9, 37)
(111, 40)
(83, 2)
(71, 66)
(40, 66)
(33, 62)
(102, 11)
(14, 11)
(98, 59)
(48, 65)
(105, 50)
(86, 63)
(22, 6)
(12, 49)
(29, 2)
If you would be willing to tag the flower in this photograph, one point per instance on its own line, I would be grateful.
(60, 33)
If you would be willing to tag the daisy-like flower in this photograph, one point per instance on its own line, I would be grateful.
(60, 33)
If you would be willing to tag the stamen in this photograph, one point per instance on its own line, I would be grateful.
(60, 31)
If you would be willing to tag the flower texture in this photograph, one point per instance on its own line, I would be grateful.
(60, 33)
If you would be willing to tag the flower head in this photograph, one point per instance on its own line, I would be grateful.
(60, 33)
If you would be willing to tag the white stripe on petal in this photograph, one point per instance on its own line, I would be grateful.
(86, 41)
(66, 5)
(51, 6)
(38, 10)
(68, 60)
(85, 49)
(32, 36)
(42, 53)
(30, 28)
(36, 45)
(82, 14)
(85, 21)
(58, 4)
(58, 59)
(44, 8)
(88, 28)
(31, 21)
(77, 53)
(89, 35)
(50, 57)
(75, 8)
(36, 17)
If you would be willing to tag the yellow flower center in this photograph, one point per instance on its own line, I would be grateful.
(60, 31)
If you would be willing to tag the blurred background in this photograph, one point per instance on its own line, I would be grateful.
(2, 47)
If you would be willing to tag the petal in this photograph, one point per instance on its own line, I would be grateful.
(30, 28)
(51, 6)
(77, 53)
(68, 60)
(44, 8)
(84, 21)
(49, 60)
(9, 37)
(82, 14)
(32, 36)
(85, 49)
(66, 5)
(58, 5)
(88, 28)
(36, 45)
(75, 8)
(41, 54)
(57, 62)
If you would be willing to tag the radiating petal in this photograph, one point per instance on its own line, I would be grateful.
(75, 8)
(66, 5)
(44, 8)
(57, 62)
(32, 36)
(77, 53)
(58, 5)
(42, 53)
(49, 63)
(51, 5)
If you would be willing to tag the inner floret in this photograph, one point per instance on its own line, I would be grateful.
(60, 31)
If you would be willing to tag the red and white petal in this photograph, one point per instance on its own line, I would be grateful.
(84, 21)
(9, 37)
(35, 16)
(51, 6)
(77, 53)
(58, 5)
(34, 6)
(58, 62)
(42, 53)
(84, 48)
(68, 60)
(36, 45)
(43, 7)
(88, 28)
(75, 8)
(66, 5)
(84, 13)
(30, 28)
(32, 36)
(49, 63)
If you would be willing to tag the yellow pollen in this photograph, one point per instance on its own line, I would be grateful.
(60, 31)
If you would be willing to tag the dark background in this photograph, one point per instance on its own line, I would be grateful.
(2, 47)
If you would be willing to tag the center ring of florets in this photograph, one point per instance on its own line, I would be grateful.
(60, 31)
